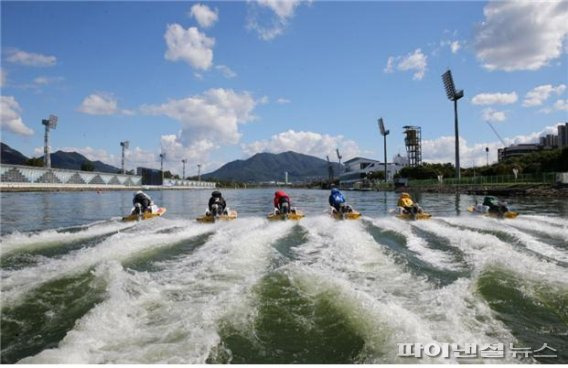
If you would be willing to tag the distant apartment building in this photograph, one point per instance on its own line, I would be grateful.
(357, 169)
(550, 141)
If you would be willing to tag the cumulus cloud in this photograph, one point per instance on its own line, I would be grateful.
(204, 15)
(189, 45)
(10, 117)
(308, 143)
(539, 94)
(30, 59)
(213, 115)
(521, 35)
(282, 101)
(44, 81)
(272, 24)
(493, 116)
(226, 71)
(415, 61)
(99, 104)
(441, 149)
(494, 98)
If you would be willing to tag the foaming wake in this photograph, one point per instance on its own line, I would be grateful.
(171, 316)
(22, 242)
(418, 245)
(389, 304)
(120, 246)
(500, 226)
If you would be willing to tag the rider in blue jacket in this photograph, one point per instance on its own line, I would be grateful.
(337, 201)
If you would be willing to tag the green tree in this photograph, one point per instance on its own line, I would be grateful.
(35, 161)
(87, 166)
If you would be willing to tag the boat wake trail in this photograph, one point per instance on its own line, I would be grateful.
(253, 291)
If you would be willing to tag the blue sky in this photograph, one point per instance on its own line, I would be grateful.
(218, 81)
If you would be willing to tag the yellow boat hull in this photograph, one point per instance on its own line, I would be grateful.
(508, 214)
(291, 216)
(419, 216)
(209, 219)
(146, 216)
(347, 216)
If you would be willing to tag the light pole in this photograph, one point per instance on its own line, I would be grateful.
(184, 161)
(198, 172)
(487, 154)
(454, 95)
(162, 157)
(50, 123)
(384, 133)
(124, 146)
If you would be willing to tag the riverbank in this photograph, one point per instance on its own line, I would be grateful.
(504, 190)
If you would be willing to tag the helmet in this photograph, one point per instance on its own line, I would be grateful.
(216, 194)
(334, 191)
(139, 192)
(404, 195)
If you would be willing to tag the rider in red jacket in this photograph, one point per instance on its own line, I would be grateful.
(282, 202)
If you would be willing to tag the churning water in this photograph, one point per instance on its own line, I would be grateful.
(81, 287)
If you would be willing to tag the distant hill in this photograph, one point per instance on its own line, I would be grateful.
(11, 156)
(271, 167)
(59, 160)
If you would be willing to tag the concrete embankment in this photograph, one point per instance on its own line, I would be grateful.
(41, 187)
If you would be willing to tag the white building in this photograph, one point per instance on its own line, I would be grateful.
(356, 169)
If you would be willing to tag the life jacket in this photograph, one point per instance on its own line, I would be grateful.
(279, 197)
(336, 198)
(405, 200)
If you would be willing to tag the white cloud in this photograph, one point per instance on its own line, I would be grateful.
(99, 104)
(455, 46)
(10, 117)
(308, 143)
(30, 59)
(521, 35)
(494, 98)
(190, 45)
(415, 61)
(195, 153)
(269, 26)
(282, 101)
(204, 15)
(213, 115)
(441, 149)
(226, 71)
(539, 94)
(493, 116)
(2, 77)
(44, 81)
(561, 105)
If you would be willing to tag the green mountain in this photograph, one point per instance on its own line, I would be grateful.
(59, 160)
(271, 167)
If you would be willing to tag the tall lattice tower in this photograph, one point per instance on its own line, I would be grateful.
(413, 142)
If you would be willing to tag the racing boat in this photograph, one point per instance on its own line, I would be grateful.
(350, 215)
(404, 215)
(155, 211)
(484, 211)
(208, 217)
(292, 215)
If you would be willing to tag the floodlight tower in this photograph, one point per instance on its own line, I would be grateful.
(384, 133)
(50, 123)
(454, 95)
(329, 170)
(198, 172)
(339, 157)
(487, 153)
(162, 158)
(184, 161)
(124, 148)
